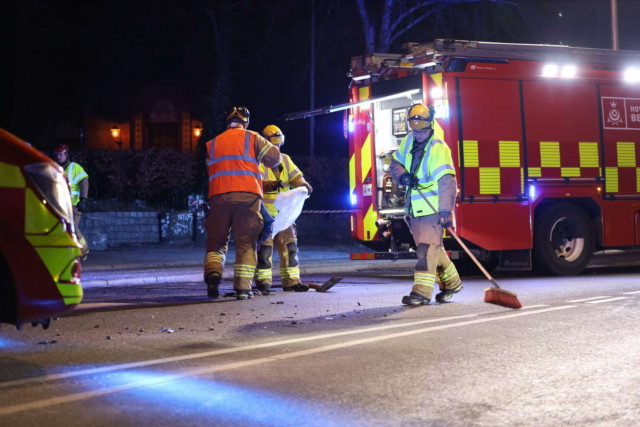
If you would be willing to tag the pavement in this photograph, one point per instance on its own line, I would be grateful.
(183, 263)
(158, 264)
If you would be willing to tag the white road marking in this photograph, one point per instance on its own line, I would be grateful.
(631, 293)
(607, 300)
(588, 299)
(529, 307)
(210, 370)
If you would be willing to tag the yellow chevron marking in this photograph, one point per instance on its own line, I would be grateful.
(611, 179)
(365, 156)
(570, 172)
(370, 224)
(626, 154)
(550, 154)
(489, 180)
(589, 157)
(352, 174)
(470, 154)
(363, 93)
(509, 154)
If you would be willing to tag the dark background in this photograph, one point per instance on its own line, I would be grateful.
(62, 55)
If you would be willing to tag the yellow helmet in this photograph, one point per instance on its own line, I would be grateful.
(421, 117)
(238, 114)
(273, 134)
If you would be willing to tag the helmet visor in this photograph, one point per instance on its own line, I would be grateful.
(276, 138)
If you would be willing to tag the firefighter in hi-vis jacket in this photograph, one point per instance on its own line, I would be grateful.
(79, 183)
(424, 162)
(276, 180)
(235, 199)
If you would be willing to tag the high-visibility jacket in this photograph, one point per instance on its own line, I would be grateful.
(436, 163)
(75, 174)
(288, 171)
(234, 165)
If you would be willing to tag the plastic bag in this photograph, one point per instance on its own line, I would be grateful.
(289, 205)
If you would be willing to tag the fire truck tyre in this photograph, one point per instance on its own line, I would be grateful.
(563, 241)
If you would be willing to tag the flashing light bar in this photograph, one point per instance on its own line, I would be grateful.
(632, 75)
(367, 102)
(550, 70)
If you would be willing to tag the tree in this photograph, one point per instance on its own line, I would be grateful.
(399, 16)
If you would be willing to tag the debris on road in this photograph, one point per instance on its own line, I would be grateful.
(278, 302)
(44, 342)
(109, 337)
(167, 330)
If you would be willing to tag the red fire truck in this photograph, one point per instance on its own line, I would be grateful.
(545, 141)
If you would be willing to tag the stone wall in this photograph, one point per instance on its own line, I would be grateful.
(102, 229)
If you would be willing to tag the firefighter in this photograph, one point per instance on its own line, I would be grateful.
(424, 162)
(79, 183)
(276, 180)
(235, 193)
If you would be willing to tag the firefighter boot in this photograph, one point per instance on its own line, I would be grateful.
(242, 294)
(447, 294)
(213, 280)
(300, 287)
(415, 298)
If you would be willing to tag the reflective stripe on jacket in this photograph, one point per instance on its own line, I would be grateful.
(435, 164)
(234, 163)
(288, 172)
(75, 174)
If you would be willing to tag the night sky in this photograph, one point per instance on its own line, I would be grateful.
(69, 56)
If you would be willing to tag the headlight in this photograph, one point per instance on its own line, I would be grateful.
(51, 183)
(386, 167)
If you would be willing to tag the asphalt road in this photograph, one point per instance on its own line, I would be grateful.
(352, 356)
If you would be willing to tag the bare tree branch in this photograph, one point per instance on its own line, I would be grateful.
(369, 32)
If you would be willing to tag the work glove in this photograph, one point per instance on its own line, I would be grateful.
(445, 219)
(267, 227)
(279, 185)
(82, 204)
(408, 180)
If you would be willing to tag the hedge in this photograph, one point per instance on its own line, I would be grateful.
(168, 177)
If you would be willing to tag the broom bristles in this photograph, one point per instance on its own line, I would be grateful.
(502, 298)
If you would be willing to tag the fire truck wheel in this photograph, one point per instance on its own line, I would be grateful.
(563, 241)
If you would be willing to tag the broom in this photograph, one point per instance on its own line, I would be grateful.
(495, 295)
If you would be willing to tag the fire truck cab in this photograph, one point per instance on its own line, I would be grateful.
(544, 140)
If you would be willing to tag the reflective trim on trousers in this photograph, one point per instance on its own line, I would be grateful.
(263, 274)
(424, 279)
(245, 271)
(449, 273)
(290, 272)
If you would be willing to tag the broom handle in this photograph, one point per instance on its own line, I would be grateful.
(461, 243)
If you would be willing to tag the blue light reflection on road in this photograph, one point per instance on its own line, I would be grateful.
(219, 400)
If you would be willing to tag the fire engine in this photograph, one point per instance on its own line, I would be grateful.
(545, 140)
